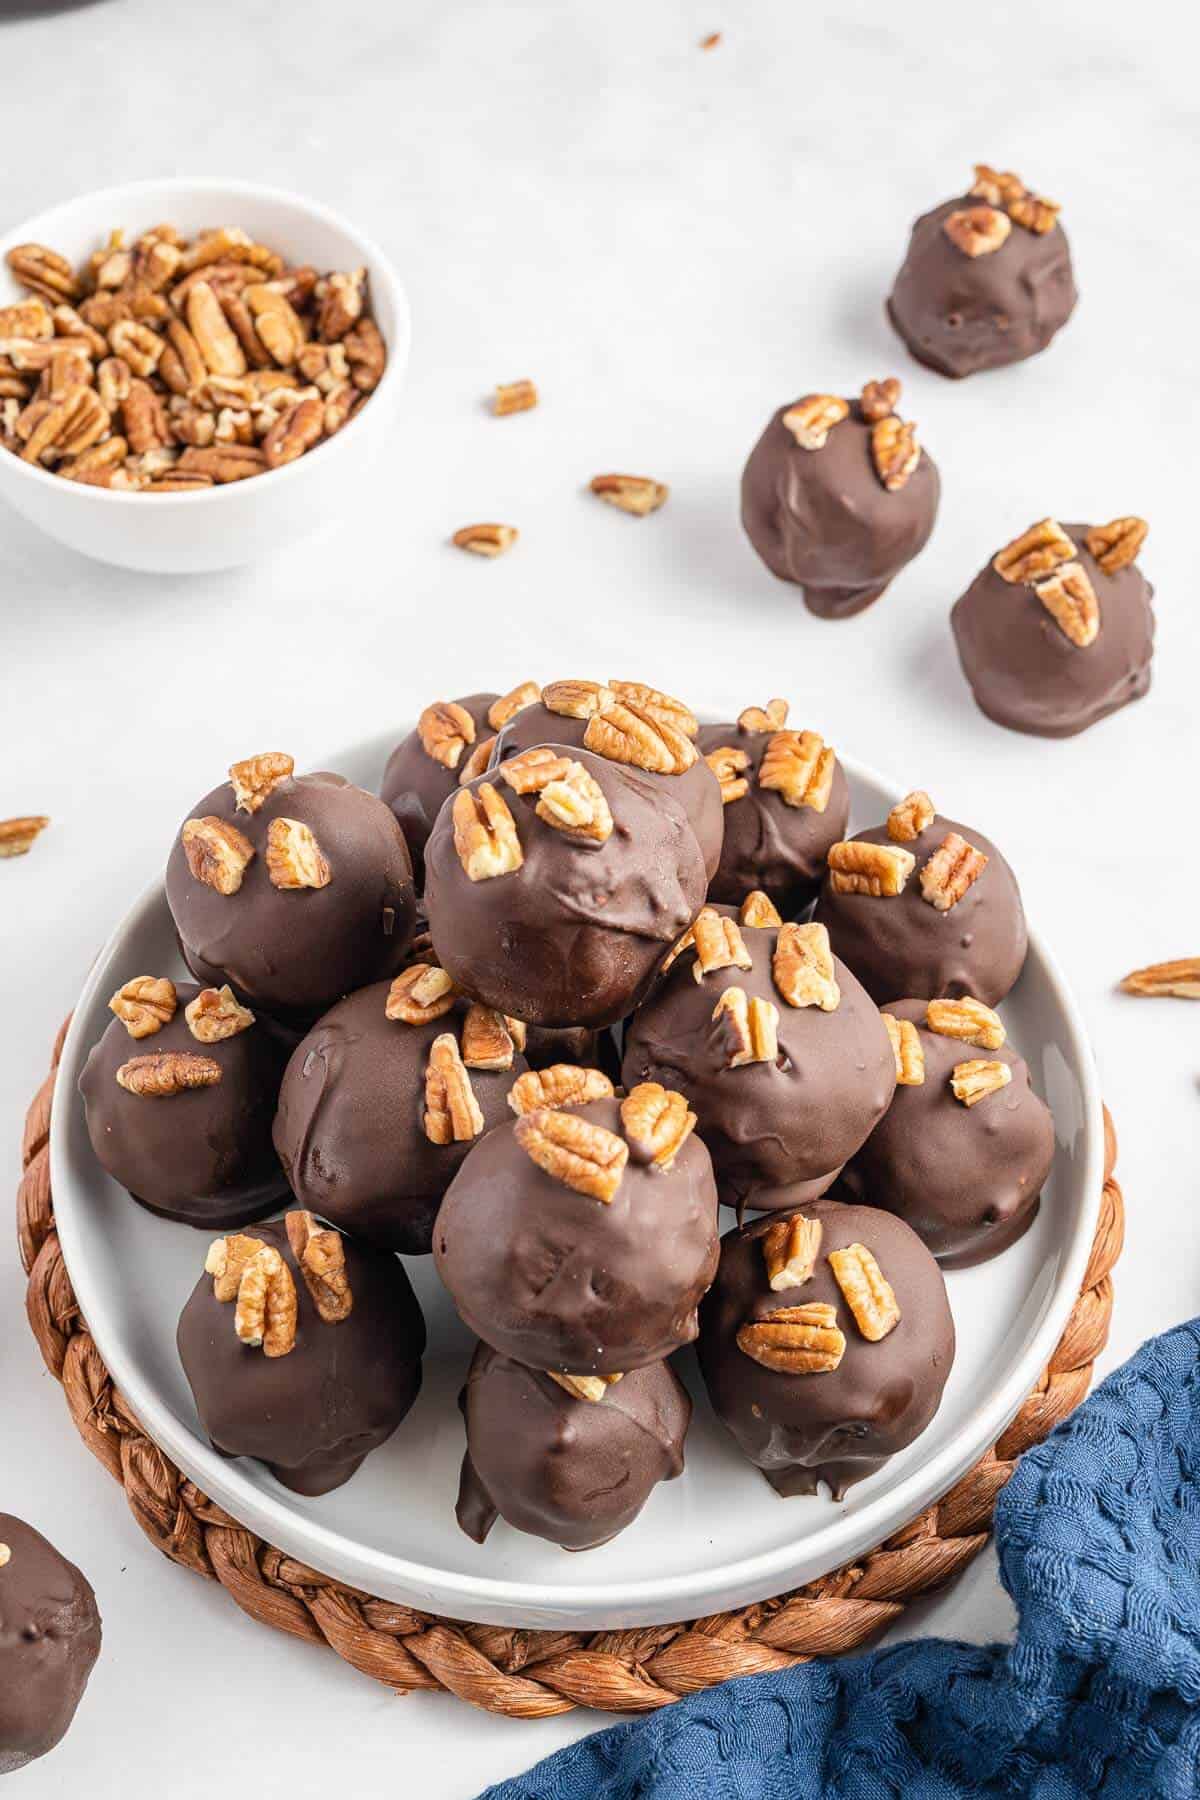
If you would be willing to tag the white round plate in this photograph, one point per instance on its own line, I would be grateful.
(716, 1538)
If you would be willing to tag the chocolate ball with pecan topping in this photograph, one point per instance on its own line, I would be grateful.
(179, 1094)
(825, 1343)
(294, 889)
(581, 1238)
(383, 1099)
(783, 1055)
(557, 883)
(987, 279)
(786, 800)
(838, 496)
(49, 1642)
(922, 906)
(302, 1348)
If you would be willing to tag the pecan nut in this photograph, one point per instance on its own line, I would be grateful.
(798, 766)
(215, 1014)
(257, 777)
(790, 1250)
(294, 432)
(812, 419)
(168, 1072)
(973, 1081)
(477, 763)
(1070, 599)
(719, 944)
(452, 1114)
(575, 804)
(771, 717)
(1037, 552)
(534, 769)
(576, 699)
(910, 817)
(504, 710)
(977, 230)
(445, 730)
(1035, 213)
(907, 1049)
(642, 738)
(420, 994)
(217, 853)
(856, 866)
(321, 1259)
(968, 1020)
(747, 1029)
(44, 272)
(18, 836)
(488, 1041)
(514, 397)
(488, 539)
(592, 1388)
(562, 1084)
(266, 1309)
(759, 911)
(803, 967)
(663, 707)
(869, 1294)
(275, 321)
(894, 451)
(573, 1150)
(485, 833)
(145, 1004)
(878, 399)
(795, 1340)
(727, 764)
(226, 1262)
(951, 871)
(657, 1123)
(293, 856)
(1179, 979)
(637, 494)
(1116, 544)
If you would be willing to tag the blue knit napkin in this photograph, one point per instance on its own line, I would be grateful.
(1098, 1535)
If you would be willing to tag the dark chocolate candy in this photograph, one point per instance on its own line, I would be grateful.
(293, 952)
(350, 1130)
(49, 1642)
(839, 1425)
(315, 1414)
(824, 519)
(574, 1471)
(558, 1280)
(416, 781)
(1024, 670)
(204, 1156)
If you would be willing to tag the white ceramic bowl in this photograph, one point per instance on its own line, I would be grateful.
(220, 527)
(719, 1536)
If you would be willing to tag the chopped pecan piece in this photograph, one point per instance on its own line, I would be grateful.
(44, 272)
(223, 462)
(534, 769)
(998, 188)
(502, 711)
(759, 910)
(366, 355)
(101, 466)
(953, 868)
(476, 764)
(857, 866)
(342, 297)
(798, 766)
(719, 944)
(908, 1050)
(26, 319)
(145, 1004)
(790, 1249)
(294, 432)
(748, 1028)
(627, 733)
(1070, 599)
(684, 942)
(215, 338)
(144, 418)
(582, 1155)
(636, 494)
(576, 699)
(266, 1310)
(275, 321)
(868, 1292)
(514, 397)
(486, 539)
(727, 764)
(445, 729)
(1034, 554)
(420, 994)
(485, 833)
(584, 1387)
(879, 398)
(1179, 979)
(226, 1262)
(1035, 213)
(795, 1340)
(910, 816)
(968, 1020)
(1116, 544)
(74, 425)
(487, 1039)
(293, 856)
(17, 836)
(215, 1015)
(656, 1122)
(321, 1258)
(974, 1081)
(977, 230)
(803, 967)
(217, 853)
(894, 451)
(812, 419)
(257, 777)
(136, 345)
(169, 1072)
(575, 804)
(452, 1112)
(562, 1084)
(771, 717)
(663, 707)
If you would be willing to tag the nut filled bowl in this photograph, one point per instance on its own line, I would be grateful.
(193, 374)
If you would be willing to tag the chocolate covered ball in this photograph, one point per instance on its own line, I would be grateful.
(302, 1349)
(634, 725)
(556, 885)
(294, 889)
(581, 1238)
(179, 1095)
(49, 1642)
(384, 1097)
(825, 1343)
(924, 906)
(574, 1464)
(778, 1048)
(987, 279)
(1058, 630)
(838, 496)
(450, 737)
(786, 801)
(963, 1150)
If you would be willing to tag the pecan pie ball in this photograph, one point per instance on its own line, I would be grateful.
(302, 1348)
(453, 739)
(179, 1095)
(783, 1055)
(963, 1150)
(580, 1238)
(570, 1459)
(1058, 630)
(384, 1097)
(786, 801)
(294, 889)
(557, 883)
(924, 906)
(838, 496)
(628, 723)
(49, 1642)
(987, 279)
(825, 1343)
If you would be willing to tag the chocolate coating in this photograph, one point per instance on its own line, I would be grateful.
(841, 1425)
(767, 1125)
(902, 945)
(557, 1280)
(415, 784)
(959, 314)
(575, 935)
(966, 1178)
(1025, 672)
(574, 1471)
(314, 1415)
(697, 789)
(823, 519)
(349, 1129)
(769, 844)
(294, 952)
(49, 1642)
(203, 1157)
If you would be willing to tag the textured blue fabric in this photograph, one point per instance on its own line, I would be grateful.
(1098, 1535)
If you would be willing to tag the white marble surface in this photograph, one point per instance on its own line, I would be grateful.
(670, 242)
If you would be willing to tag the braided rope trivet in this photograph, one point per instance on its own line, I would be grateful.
(532, 1674)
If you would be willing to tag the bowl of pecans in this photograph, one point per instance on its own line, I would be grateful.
(193, 374)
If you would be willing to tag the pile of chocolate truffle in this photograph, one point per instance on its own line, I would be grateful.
(643, 974)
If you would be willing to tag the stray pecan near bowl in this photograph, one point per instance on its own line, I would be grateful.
(169, 365)
(17, 836)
